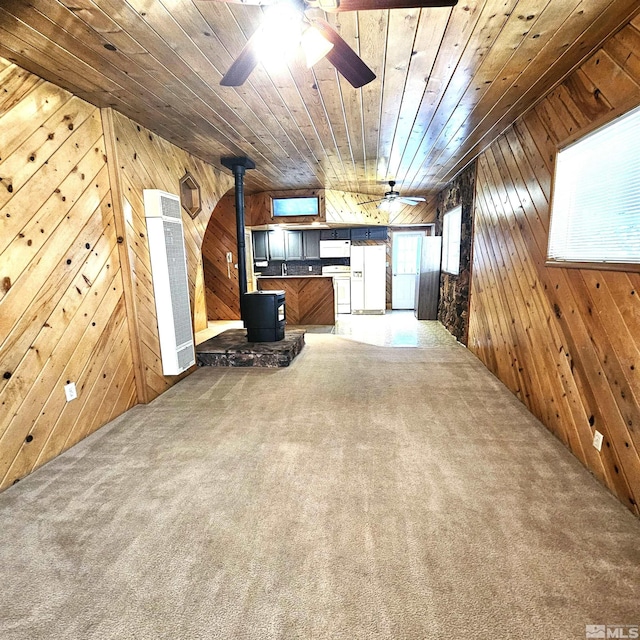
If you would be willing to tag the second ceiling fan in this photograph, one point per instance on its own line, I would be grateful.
(288, 21)
(394, 196)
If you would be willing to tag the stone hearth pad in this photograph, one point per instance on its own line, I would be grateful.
(231, 349)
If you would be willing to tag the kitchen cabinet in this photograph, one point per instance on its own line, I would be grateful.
(276, 245)
(358, 234)
(260, 245)
(369, 233)
(293, 245)
(311, 244)
(335, 234)
(378, 233)
(310, 300)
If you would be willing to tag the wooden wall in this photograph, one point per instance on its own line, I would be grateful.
(565, 341)
(221, 279)
(344, 207)
(340, 208)
(422, 213)
(76, 297)
(258, 207)
(146, 161)
(62, 308)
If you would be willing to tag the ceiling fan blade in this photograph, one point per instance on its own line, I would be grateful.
(343, 57)
(243, 65)
(370, 201)
(366, 5)
(410, 200)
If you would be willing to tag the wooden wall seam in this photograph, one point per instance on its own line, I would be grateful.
(147, 161)
(76, 294)
(123, 252)
(61, 301)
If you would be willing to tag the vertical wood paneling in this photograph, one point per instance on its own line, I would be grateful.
(62, 314)
(565, 341)
(147, 161)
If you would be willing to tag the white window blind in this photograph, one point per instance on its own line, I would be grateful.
(451, 226)
(595, 212)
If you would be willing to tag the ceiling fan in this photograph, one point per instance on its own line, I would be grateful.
(394, 196)
(287, 23)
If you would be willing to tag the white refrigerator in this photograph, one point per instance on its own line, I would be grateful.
(368, 278)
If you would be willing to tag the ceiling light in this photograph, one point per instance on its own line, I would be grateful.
(279, 35)
(390, 206)
(315, 46)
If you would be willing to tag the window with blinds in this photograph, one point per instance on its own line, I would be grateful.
(451, 227)
(595, 210)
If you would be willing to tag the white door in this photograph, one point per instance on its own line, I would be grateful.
(406, 268)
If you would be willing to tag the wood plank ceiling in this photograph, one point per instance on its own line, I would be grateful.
(449, 81)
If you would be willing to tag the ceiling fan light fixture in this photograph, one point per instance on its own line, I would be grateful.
(315, 46)
(390, 206)
(325, 5)
(280, 35)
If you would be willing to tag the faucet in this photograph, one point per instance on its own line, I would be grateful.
(284, 268)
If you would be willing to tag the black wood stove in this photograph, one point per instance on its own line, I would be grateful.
(264, 315)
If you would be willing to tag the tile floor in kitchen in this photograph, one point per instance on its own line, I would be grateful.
(392, 329)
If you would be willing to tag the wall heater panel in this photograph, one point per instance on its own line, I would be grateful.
(170, 281)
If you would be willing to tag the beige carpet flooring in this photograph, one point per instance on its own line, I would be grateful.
(363, 493)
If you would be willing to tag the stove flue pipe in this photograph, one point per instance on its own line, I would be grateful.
(238, 166)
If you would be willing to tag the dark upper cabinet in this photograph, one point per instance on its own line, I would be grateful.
(335, 234)
(311, 244)
(260, 245)
(359, 233)
(276, 245)
(378, 233)
(305, 245)
(293, 245)
(369, 233)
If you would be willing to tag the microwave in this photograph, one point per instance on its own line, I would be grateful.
(335, 248)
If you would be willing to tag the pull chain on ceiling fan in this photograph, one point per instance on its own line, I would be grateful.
(287, 20)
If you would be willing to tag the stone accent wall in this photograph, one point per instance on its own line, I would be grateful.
(453, 307)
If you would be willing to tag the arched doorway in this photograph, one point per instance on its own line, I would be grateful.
(219, 260)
